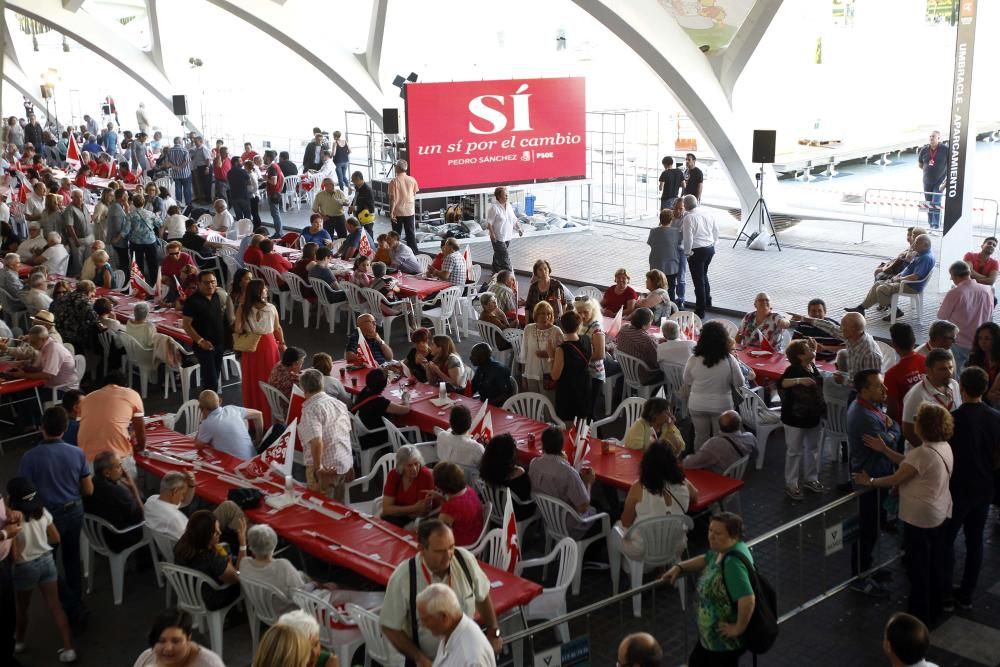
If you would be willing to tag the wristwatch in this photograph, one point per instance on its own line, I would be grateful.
(495, 633)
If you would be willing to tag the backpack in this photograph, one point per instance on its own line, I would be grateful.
(762, 630)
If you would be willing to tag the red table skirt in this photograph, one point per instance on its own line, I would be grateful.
(168, 321)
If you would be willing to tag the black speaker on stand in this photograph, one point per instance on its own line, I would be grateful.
(180, 105)
(390, 121)
(763, 153)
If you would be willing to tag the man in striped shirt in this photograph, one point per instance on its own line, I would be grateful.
(861, 352)
(453, 267)
(180, 170)
(325, 431)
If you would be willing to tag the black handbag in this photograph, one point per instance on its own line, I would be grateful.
(245, 499)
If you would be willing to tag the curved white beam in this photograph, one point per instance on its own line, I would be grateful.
(341, 68)
(372, 57)
(729, 63)
(88, 32)
(687, 73)
(15, 76)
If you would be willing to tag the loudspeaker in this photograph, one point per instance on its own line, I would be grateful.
(763, 146)
(180, 105)
(390, 121)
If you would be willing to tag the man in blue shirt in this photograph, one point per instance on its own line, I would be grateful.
(913, 277)
(62, 477)
(111, 141)
(71, 404)
(867, 424)
(224, 427)
(352, 244)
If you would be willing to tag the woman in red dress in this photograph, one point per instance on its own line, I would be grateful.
(258, 315)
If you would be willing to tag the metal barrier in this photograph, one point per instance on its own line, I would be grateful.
(911, 207)
(807, 560)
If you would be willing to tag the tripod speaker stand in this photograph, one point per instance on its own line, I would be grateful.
(759, 212)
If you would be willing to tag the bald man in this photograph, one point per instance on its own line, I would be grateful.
(225, 427)
(640, 649)
(723, 450)
(860, 351)
(913, 279)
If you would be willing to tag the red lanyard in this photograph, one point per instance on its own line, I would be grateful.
(933, 154)
(871, 408)
(427, 574)
(935, 395)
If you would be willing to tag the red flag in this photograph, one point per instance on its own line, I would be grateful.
(511, 542)
(295, 410)
(277, 457)
(114, 169)
(139, 286)
(365, 352)
(616, 324)
(73, 151)
(365, 245)
(23, 192)
(569, 442)
(484, 429)
(765, 344)
(467, 256)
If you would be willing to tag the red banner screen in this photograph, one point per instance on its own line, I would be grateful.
(481, 133)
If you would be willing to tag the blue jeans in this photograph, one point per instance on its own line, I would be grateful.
(342, 173)
(274, 203)
(68, 520)
(182, 190)
(933, 198)
(961, 356)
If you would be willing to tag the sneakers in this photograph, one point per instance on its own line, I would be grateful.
(794, 492)
(888, 318)
(67, 655)
(857, 309)
(815, 486)
(868, 586)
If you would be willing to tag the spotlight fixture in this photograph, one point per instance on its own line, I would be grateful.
(400, 83)
(412, 78)
(195, 62)
(65, 45)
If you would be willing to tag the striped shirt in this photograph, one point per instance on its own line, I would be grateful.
(180, 163)
(862, 354)
(326, 418)
(454, 264)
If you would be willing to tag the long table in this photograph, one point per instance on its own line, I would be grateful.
(770, 365)
(168, 321)
(410, 286)
(368, 546)
(618, 468)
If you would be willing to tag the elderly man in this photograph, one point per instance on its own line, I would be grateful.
(116, 500)
(223, 220)
(325, 432)
(55, 364)
(640, 649)
(367, 328)
(206, 321)
(34, 244)
(402, 192)
(913, 279)
(118, 228)
(201, 163)
(635, 341)
(672, 350)
(10, 279)
(968, 304)
(501, 223)
(55, 257)
(860, 349)
(552, 472)
(906, 641)
(933, 162)
(723, 450)
(78, 233)
(105, 418)
(224, 427)
(438, 561)
(937, 386)
(62, 479)
(35, 206)
(504, 288)
(402, 255)
(700, 234)
(36, 297)
(941, 335)
(179, 161)
(162, 511)
(453, 267)
(351, 246)
(462, 642)
(330, 203)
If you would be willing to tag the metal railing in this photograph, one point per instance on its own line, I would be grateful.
(909, 207)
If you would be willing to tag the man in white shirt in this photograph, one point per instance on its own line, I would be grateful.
(223, 221)
(672, 349)
(35, 243)
(455, 445)
(700, 233)
(462, 642)
(163, 512)
(224, 427)
(501, 224)
(55, 257)
(35, 206)
(937, 386)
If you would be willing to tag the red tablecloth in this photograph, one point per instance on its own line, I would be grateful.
(98, 183)
(419, 287)
(385, 546)
(168, 321)
(291, 254)
(771, 366)
(8, 387)
(620, 468)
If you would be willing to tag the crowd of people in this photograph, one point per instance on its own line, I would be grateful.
(927, 427)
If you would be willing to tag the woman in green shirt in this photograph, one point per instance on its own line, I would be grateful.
(725, 596)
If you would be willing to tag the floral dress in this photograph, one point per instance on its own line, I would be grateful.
(768, 329)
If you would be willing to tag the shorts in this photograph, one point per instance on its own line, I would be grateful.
(33, 573)
(331, 487)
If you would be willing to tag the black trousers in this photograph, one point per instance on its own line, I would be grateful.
(501, 258)
(241, 209)
(698, 263)
(203, 181)
(869, 519)
(925, 567)
(972, 521)
(404, 225)
(211, 366)
(8, 612)
(702, 657)
(336, 226)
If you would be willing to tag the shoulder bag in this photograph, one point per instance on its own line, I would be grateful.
(245, 341)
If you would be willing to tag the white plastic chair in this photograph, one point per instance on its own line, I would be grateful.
(295, 287)
(551, 603)
(190, 414)
(94, 528)
(487, 512)
(356, 303)
(685, 319)
(376, 302)
(187, 584)
(630, 408)
(265, 603)
(673, 380)
(730, 327)
(80, 362)
(445, 316)
(276, 401)
(274, 284)
(591, 292)
(632, 369)
(118, 279)
(380, 471)
(492, 335)
(377, 647)
(290, 193)
(325, 302)
(184, 375)
(916, 300)
(533, 406)
(759, 418)
(664, 539)
(138, 359)
(343, 641)
(834, 425)
(366, 457)
(205, 220)
(108, 342)
(492, 549)
(516, 339)
(889, 355)
(244, 227)
(497, 496)
(555, 514)
(423, 261)
(164, 546)
(407, 435)
(736, 470)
